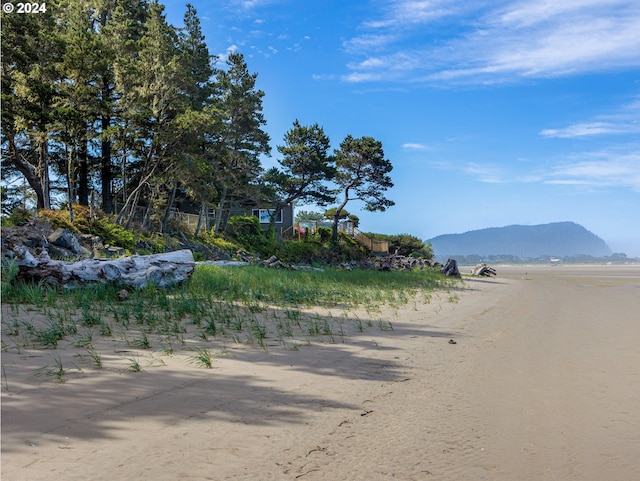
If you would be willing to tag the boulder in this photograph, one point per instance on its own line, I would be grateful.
(65, 239)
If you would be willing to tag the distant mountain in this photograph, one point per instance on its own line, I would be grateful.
(558, 239)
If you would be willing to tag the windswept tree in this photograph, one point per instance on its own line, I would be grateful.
(362, 173)
(304, 170)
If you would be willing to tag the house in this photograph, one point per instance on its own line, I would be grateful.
(284, 219)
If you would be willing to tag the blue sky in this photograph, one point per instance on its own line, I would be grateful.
(492, 112)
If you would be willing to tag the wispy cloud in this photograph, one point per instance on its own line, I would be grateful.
(368, 43)
(485, 173)
(249, 4)
(404, 13)
(625, 120)
(616, 167)
(585, 129)
(604, 169)
(512, 40)
(415, 146)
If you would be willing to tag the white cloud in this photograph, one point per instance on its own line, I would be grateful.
(625, 120)
(415, 146)
(317, 76)
(604, 168)
(585, 129)
(402, 13)
(367, 43)
(249, 4)
(617, 167)
(506, 42)
(222, 57)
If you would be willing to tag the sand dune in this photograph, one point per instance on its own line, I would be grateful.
(542, 383)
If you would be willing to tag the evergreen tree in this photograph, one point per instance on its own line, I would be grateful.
(31, 48)
(243, 140)
(362, 173)
(107, 113)
(305, 167)
(154, 96)
(201, 122)
(78, 97)
(122, 31)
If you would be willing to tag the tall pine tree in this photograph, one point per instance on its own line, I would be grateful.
(243, 139)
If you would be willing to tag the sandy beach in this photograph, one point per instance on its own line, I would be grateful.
(531, 375)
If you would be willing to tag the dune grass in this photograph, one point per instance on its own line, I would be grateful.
(331, 287)
(249, 305)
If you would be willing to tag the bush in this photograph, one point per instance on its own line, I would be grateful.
(404, 244)
(324, 234)
(114, 234)
(303, 252)
(58, 218)
(17, 217)
(211, 238)
(247, 232)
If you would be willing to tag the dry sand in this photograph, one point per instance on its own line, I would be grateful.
(543, 383)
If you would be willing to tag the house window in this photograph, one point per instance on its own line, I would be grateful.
(264, 215)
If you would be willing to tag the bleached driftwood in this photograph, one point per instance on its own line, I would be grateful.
(483, 270)
(160, 270)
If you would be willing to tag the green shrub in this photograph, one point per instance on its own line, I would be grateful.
(18, 216)
(215, 240)
(324, 234)
(247, 232)
(404, 244)
(114, 234)
(303, 252)
(59, 218)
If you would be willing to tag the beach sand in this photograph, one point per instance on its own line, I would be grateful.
(542, 383)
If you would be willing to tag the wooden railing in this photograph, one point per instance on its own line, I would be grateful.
(375, 246)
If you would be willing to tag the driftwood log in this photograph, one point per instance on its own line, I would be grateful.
(160, 270)
(451, 268)
(483, 270)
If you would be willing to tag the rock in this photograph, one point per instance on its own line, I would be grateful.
(111, 251)
(65, 239)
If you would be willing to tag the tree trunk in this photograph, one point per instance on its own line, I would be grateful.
(336, 217)
(167, 211)
(70, 183)
(29, 172)
(451, 268)
(223, 199)
(43, 175)
(203, 210)
(83, 167)
(105, 171)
